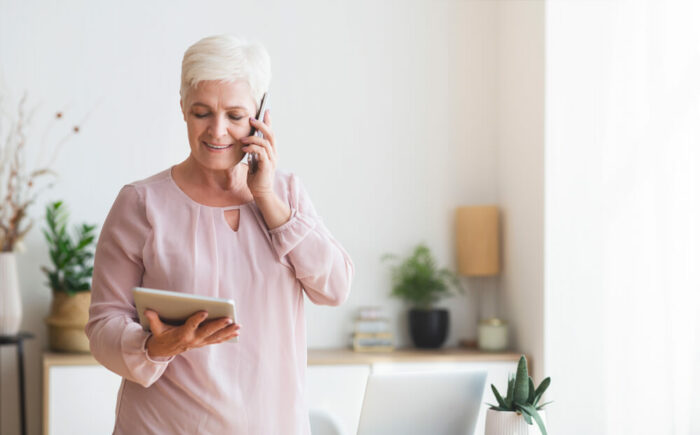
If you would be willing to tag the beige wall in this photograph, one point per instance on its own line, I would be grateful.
(520, 130)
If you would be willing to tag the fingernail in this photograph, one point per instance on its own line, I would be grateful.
(229, 321)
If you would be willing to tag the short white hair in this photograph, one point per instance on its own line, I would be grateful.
(226, 58)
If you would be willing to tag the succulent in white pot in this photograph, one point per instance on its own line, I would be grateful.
(520, 408)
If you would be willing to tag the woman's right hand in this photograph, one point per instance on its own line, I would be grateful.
(168, 340)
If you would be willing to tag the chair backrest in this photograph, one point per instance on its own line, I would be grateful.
(323, 423)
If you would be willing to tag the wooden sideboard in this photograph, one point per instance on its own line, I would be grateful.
(79, 395)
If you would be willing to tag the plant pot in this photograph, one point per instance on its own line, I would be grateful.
(510, 423)
(10, 300)
(66, 323)
(428, 327)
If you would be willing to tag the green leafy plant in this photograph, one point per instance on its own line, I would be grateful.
(522, 396)
(71, 256)
(417, 279)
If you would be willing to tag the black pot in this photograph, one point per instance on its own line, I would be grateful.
(428, 327)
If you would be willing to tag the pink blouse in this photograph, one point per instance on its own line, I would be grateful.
(156, 236)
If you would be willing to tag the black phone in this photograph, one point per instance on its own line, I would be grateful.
(251, 157)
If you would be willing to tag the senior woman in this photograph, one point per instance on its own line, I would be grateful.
(210, 226)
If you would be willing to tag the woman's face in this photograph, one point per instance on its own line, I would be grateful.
(217, 116)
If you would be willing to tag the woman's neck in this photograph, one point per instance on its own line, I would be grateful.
(230, 182)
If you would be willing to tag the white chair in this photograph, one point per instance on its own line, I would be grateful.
(323, 423)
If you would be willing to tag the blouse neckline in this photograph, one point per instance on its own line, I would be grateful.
(192, 201)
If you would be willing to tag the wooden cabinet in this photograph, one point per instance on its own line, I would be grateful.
(80, 395)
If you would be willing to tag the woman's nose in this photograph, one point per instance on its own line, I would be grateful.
(219, 128)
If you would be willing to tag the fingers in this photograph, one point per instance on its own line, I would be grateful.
(264, 127)
(195, 320)
(261, 151)
(154, 321)
(208, 328)
(224, 334)
(263, 142)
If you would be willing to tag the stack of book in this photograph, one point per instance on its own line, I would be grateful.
(371, 331)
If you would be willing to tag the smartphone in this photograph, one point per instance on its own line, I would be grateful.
(251, 158)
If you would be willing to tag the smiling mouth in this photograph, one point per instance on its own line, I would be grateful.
(217, 147)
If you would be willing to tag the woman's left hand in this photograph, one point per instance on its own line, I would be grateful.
(260, 182)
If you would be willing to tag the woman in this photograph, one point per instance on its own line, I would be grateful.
(211, 226)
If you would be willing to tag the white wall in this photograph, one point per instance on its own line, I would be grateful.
(385, 109)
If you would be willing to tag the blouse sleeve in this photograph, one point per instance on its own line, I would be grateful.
(320, 263)
(117, 340)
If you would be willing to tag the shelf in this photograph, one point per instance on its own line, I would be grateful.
(343, 356)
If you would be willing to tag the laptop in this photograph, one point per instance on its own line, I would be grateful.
(437, 403)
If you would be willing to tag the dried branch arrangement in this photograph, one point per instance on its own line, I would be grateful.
(20, 186)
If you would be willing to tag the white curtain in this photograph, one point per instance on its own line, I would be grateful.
(652, 249)
(640, 76)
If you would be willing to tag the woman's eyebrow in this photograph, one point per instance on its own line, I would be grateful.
(227, 108)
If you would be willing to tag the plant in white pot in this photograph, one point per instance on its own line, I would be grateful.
(69, 280)
(20, 186)
(418, 281)
(515, 413)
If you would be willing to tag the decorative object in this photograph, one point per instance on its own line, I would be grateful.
(69, 280)
(19, 189)
(516, 412)
(10, 301)
(371, 331)
(493, 335)
(418, 281)
(478, 252)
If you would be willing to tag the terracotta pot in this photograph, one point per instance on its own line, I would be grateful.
(66, 323)
(511, 423)
(10, 301)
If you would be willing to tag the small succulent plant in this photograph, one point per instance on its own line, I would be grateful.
(522, 396)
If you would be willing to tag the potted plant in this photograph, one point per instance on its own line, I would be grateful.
(515, 413)
(20, 186)
(418, 281)
(69, 279)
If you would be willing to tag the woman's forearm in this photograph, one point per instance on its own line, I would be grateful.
(275, 211)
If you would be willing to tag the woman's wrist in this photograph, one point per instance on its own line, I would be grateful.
(152, 353)
(275, 211)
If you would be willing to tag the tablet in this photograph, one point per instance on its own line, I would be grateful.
(174, 307)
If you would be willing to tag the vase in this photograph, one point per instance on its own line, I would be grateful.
(10, 301)
(67, 320)
(511, 423)
(428, 327)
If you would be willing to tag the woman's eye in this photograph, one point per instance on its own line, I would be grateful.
(201, 115)
(235, 118)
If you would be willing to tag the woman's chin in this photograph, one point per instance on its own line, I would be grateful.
(219, 163)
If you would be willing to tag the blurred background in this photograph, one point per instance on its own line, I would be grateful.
(578, 119)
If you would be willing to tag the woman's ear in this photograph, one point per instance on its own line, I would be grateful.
(182, 107)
